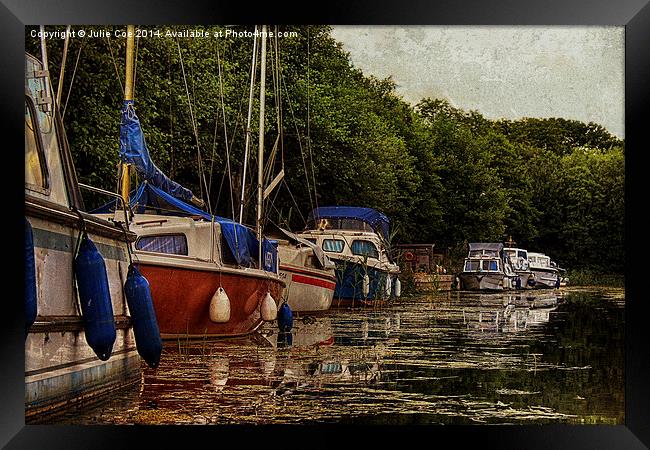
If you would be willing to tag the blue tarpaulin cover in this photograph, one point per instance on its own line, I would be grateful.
(133, 150)
(241, 240)
(378, 221)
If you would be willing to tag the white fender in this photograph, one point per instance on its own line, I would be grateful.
(268, 308)
(220, 307)
(398, 287)
(366, 285)
(389, 285)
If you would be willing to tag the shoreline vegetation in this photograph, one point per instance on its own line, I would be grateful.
(442, 174)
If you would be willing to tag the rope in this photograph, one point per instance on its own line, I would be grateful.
(74, 72)
(196, 134)
(225, 132)
(117, 72)
(311, 161)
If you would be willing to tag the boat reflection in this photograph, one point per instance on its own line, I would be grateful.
(511, 312)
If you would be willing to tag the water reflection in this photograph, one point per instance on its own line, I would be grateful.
(549, 356)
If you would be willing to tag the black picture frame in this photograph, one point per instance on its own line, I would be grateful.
(633, 14)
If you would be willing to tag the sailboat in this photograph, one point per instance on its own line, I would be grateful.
(308, 272)
(77, 348)
(209, 276)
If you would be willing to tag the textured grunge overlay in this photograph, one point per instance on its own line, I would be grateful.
(572, 72)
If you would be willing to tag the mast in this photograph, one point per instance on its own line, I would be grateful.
(260, 158)
(59, 90)
(128, 95)
(248, 126)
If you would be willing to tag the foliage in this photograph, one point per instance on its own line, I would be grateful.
(440, 173)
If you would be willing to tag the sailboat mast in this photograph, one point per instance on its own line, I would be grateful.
(260, 158)
(248, 126)
(128, 95)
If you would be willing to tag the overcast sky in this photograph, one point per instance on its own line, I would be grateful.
(573, 72)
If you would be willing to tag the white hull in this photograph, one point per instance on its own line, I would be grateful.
(308, 290)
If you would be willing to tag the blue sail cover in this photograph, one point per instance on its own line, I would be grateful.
(241, 240)
(133, 150)
(378, 221)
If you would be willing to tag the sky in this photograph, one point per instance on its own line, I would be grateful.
(572, 72)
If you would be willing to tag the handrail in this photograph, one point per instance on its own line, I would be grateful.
(127, 217)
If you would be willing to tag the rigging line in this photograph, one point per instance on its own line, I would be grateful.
(74, 72)
(302, 155)
(171, 116)
(294, 201)
(196, 134)
(311, 160)
(225, 132)
(117, 72)
(135, 65)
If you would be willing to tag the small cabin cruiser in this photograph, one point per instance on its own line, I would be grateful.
(546, 274)
(518, 258)
(485, 268)
(356, 240)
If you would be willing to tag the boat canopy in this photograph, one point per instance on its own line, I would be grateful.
(241, 240)
(378, 221)
(489, 246)
(133, 150)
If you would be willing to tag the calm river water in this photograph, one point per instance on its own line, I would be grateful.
(453, 358)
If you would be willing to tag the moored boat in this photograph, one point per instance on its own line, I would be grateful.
(485, 268)
(356, 240)
(309, 274)
(209, 276)
(77, 349)
(518, 259)
(545, 272)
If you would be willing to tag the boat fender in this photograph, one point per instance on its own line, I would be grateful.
(268, 308)
(31, 301)
(398, 287)
(518, 282)
(220, 306)
(143, 316)
(409, 256)
(95, 299)
(366, 285)
(531, 282)
(389, 285)
(285, 318)
(557, 282)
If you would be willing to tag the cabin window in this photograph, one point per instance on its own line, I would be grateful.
(472, 266)
(491, 265)
(312, 240)
(333, 245)
(173, 244)
(35, 168)
(364, 248)
(521, 254)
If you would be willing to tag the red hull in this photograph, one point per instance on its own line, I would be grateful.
(181, 298)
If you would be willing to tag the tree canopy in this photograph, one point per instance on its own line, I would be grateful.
(440, 173)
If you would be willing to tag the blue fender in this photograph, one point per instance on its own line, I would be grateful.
(31, 300)
(285, 318)
(95, 299)
(143, 317)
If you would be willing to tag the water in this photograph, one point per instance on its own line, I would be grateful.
(454, 358)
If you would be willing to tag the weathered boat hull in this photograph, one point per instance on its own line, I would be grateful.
(308, 290)
(545, 279)
(349, 285)
(181, 298)
(481, 282)
(61, 369)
